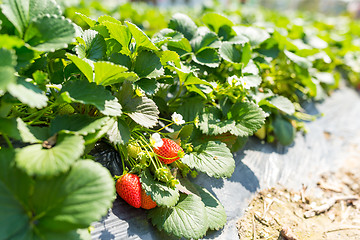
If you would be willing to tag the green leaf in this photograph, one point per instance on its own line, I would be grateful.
(181, 47)
(94, 137)
(215, 21)
(7, 71)
(165, 35)
(187, 219)
(235, 53)
(148, 65)
(250, 81)
(103, 31)
(8, 58)
(205, 40)
(300, 61)
(280, 102)
(159, 192)
(283, 130)
(79, 123)
(208, 57)
(90, 22)
(37, 8)
(149, 86)
(170, 57)
(191, 108)
(183, 23)
(212, 158)
(196, 89)
(17, 129)
(92, 94)
(17, 12)
(254, 34)
(143, 111)
(121, 34)
(119, 132)
(40, 161)
(49, 32)
(188, 78)
(10, 42)
(59, 206)
(69, 197)
(80, 234)
(121, 59)
(141, 39)
(21, 12)
(186, 131)
(211, 122)
(215, 212)
(107, 73)
(83, 66)
(94, 48)
(248, 116)
(106, 18)
(7, 77)
(28, 93)
(14, 195)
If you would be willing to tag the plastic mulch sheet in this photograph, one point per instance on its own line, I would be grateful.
(258, 166)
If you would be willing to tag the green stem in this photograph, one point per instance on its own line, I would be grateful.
(165, 127)
(52, 86)
(164, 119)
(8, 141)
(156, 164)
(38, 114)
(177, 94)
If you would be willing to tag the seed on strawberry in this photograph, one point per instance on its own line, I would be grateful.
(169, 152)
(128, 187)
(146, 201)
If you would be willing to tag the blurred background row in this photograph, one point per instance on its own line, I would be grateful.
(330, 7)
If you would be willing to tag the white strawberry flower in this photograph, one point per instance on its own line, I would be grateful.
(237, 81)
(177, 118)
(156, 141)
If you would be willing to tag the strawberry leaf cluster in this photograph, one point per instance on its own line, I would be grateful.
(173, 99)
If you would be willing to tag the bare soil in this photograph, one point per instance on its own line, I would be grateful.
(331, 210)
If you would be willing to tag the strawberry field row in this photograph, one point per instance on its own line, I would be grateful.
(173, 101)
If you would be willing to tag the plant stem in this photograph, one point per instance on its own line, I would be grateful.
(8, 141)
(177, 94)
(165, 127)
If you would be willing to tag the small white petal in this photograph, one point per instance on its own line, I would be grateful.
(156, 141)
(177, 118)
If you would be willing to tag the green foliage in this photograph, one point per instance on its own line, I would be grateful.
(37, 208)
(212, 158)
(66, 86)
(159, 192)
(186, 219)
(92, 94)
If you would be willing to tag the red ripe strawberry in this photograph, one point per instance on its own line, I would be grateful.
(128, 187)
(169, 152)
(146, 201)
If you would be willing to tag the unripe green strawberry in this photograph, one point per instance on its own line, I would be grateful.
(66, 109)
(169, 152)
(128, 187)
(261, 133)
(163, 174)
(146, 201)
(133, 150)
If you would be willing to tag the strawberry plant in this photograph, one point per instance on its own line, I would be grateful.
(173, 105)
